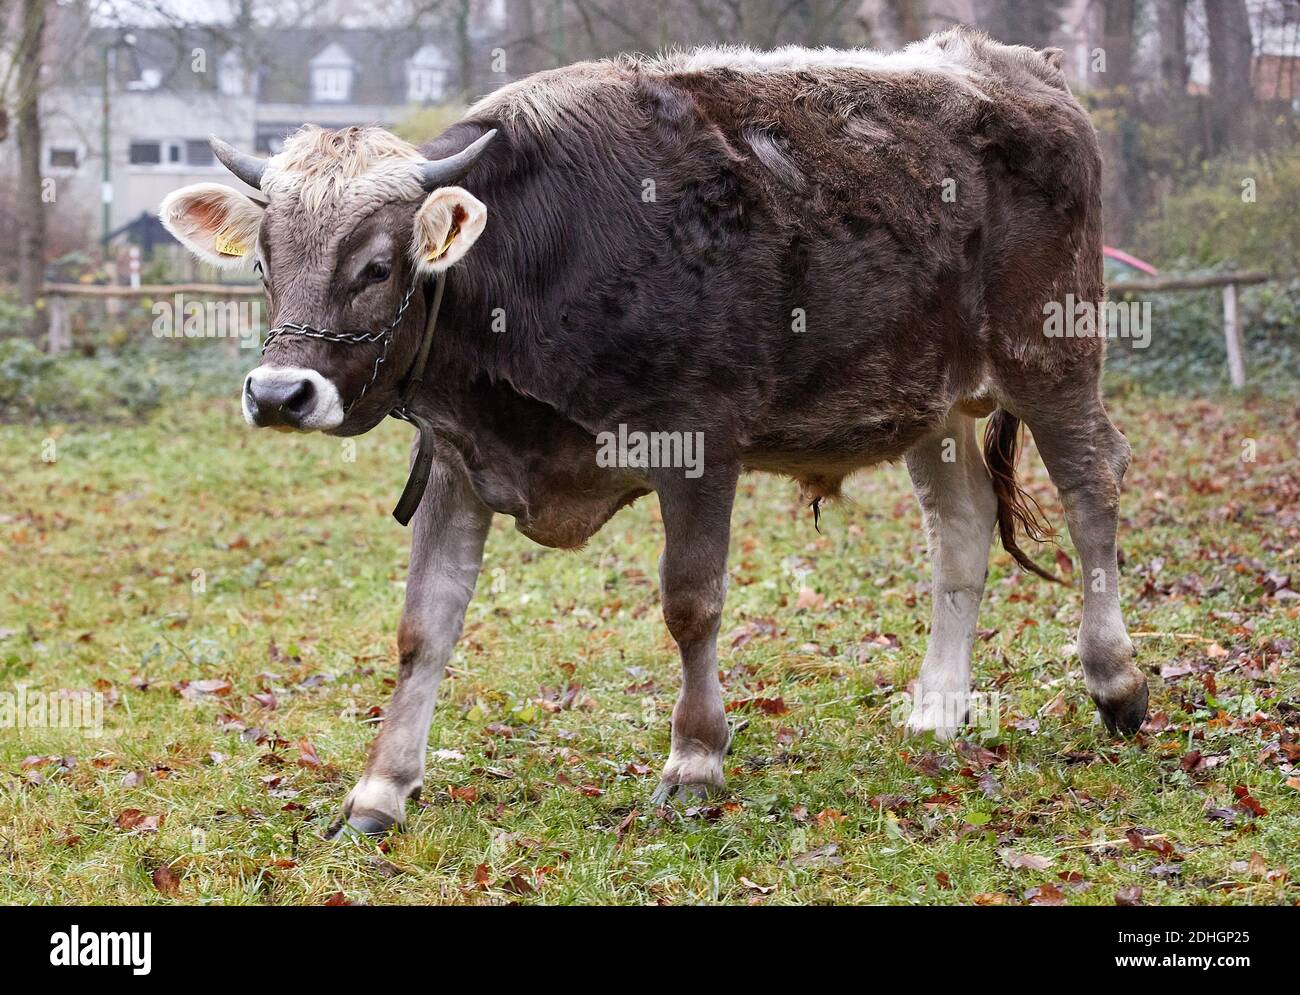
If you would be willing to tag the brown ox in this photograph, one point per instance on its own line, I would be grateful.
(804, 262)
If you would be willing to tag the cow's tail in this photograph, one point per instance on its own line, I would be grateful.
(1016, 506)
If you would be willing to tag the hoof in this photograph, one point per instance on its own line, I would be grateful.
(939, 713)
(373, 807)
(692, 772)
(684, 792)
(360, 825)
(940, 733)
(1125, 718)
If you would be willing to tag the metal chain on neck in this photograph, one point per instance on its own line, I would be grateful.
(385, 335)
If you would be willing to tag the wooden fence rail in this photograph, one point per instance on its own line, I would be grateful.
(57, 296)
(1231, 312)
(60, 334)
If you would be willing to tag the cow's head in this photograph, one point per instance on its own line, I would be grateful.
(348, 222)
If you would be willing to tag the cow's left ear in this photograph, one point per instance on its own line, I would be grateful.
(446, 225)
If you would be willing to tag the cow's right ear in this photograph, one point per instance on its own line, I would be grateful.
(215, 222)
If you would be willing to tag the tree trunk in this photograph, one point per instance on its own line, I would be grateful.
(521, 35)
(31, 205)
(1118, 20)
(907, 18)
(1121, 189)
(1228, 26)
(1172, 26)
(6, 24)
(1020, 22)
(464, 51)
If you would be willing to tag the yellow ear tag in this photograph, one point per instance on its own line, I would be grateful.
(452, 232)
(230, 246)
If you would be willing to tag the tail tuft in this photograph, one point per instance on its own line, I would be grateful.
(1016, 506)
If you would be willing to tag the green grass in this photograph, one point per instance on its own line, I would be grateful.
(299, 594)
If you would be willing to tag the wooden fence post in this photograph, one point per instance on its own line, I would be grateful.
(1231, 309)
(1232, 336)
(59, 335)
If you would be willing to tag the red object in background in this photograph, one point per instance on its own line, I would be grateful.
(1133, 261)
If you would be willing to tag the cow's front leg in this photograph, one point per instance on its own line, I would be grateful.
(693, 584)
(447, 538)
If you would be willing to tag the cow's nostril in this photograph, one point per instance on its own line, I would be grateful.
(302, 400)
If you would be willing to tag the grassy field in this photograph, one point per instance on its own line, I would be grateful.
(234, 597)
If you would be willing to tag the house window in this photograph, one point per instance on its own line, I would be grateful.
(177, 153)
(198, 152)
(64, 158)
(426, 76)
(425, 85)
(331, 84)
(331, 75)
(146, 153)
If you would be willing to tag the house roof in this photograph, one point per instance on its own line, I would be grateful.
(282, 60)
(378, 62)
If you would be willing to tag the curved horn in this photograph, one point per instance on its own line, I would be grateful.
(440, 172)
(247, 167)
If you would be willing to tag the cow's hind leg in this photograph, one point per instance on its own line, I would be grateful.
(1086, 457)
(959, 510)
(693, 584)
(449, 530)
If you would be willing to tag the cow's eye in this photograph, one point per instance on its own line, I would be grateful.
(376, 272)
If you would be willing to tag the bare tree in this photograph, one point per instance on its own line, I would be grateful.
(1117, 24)
(908, 19)
(462, 13)
(522, 49)
(1020, 22)
(1171, 19)
(1118, 21)
(31, 205)
(1227, 23)
(6, 16)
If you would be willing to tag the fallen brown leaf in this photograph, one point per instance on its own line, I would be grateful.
(166, 881)
(1018, 861)
(307, 754)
